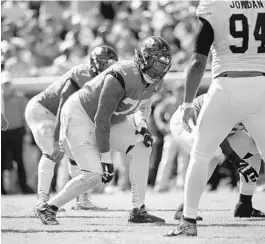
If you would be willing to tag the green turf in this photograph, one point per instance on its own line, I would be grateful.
(20, 226)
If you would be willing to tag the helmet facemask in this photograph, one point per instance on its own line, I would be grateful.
(101, 58)
(154, 60)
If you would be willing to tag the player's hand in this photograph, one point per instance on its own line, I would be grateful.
(249, 173)
(148, 139)
(107, 166)
(4, 122)
(58, 152)
(108, 172)
(188, 119)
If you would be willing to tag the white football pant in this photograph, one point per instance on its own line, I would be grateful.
(41, 122)
(78, 135)
(230, 101)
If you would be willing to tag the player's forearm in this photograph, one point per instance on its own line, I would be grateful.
(57, 124)
(194, 76)
(102, 132)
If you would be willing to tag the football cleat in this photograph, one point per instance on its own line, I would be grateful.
(83, 202)
(43, 198)
(185, 228)
(140, 215)
(179, 214)
(46, 214)
(247, 211)
(101, 58)
(153, 58)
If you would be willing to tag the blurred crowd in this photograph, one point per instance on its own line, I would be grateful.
(49, 37)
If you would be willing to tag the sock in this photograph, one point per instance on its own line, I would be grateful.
(248, 188)
(75, 187)
(195, 183)
(245, 199)
(192, 221)
(45, 174)
(139, 168)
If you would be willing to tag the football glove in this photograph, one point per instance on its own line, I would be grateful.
(107, 167)
(108, 172)
(148, 140)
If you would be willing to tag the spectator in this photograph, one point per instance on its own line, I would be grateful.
(12, 138)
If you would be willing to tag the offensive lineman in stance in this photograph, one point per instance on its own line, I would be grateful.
(43, 116)
(238, 147)
(110, 113)
(236, 33)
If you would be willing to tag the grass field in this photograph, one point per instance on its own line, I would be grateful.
(20, 226)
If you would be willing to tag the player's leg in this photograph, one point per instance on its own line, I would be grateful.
(41, 122)
(244, 146)
(255, 127)
(186, 140)
(214, 122)
(170, 150)
(123, 139)
(80, 137)
(83, 202)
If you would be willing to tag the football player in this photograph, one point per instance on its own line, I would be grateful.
(110, 113)
(235, 31)
(243, 154)
(43, 117)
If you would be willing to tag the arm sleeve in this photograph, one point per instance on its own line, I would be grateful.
(110, 96)
(204, 37)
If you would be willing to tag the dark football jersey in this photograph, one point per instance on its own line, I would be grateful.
(50, 97)
(108, 101)
(135, 92)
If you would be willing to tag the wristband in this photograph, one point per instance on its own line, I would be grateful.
(187, 105)
(105, 157)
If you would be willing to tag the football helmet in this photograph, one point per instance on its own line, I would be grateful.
(101, 58)
(153, 58)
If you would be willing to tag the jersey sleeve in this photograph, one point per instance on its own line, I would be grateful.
(80, 75)
(205, 10)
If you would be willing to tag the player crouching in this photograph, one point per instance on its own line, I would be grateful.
(104, 115)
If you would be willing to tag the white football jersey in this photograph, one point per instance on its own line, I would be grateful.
(239, 34)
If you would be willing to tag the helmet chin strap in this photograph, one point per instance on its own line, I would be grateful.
(147, 79)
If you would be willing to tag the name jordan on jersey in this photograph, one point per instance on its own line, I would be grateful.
(246, 4)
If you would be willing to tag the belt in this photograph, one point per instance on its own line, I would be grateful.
(236, 74)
